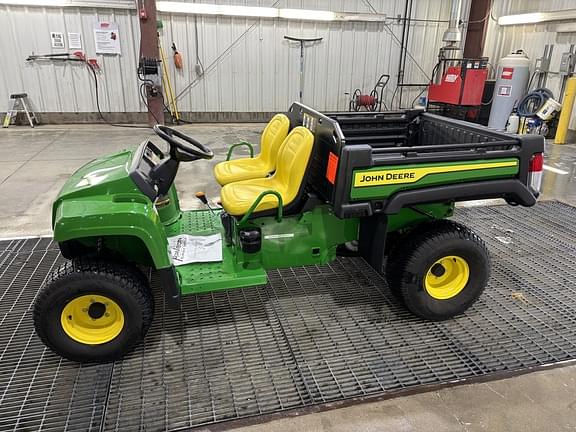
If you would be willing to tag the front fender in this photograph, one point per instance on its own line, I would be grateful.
(124, 215)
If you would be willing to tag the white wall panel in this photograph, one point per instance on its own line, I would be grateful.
(249, 66)
(67, 87)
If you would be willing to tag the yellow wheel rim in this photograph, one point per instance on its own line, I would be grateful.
(447, 277)
(92, 319)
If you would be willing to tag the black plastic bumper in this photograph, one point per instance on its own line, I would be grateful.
(511, 190)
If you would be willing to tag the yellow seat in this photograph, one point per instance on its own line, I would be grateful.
(291, 166)
(262, 164)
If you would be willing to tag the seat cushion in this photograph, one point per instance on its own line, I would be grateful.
(287, 180)
(239, 169)
(261, 165)
(238, 197)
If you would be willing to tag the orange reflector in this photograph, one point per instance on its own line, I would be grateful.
(332, 167)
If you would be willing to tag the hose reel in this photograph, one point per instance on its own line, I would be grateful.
(373, 101)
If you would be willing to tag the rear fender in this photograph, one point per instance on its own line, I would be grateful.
(128, 220)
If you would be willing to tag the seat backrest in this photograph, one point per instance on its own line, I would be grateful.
(293, 160)
(272, 138)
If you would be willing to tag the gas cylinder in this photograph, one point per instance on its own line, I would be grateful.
(511, 81)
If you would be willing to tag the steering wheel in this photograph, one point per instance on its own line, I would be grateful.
(184, 148)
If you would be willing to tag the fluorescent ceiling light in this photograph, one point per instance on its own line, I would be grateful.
(304, 14)
(104, 4)
(529, 18)
(264, 12)
(59, 3)
(210, 9)
(537, 17)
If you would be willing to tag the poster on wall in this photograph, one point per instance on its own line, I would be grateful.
(74, 40)
(57, 39)
(106, 38)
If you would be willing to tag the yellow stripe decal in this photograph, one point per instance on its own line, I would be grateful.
(412, 175)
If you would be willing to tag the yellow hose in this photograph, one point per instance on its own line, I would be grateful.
(566, 113)
(166, 76)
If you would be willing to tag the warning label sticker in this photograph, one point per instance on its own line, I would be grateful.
(451, 78)
(504, 91)
(507, 73)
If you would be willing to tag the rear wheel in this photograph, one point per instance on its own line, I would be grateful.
(93, 310)
(441, 270)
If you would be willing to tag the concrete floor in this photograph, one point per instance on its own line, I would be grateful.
(35, 163)
(538, 402)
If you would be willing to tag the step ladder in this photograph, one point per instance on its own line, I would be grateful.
(20, 105)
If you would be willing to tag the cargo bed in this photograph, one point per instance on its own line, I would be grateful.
(428, 158)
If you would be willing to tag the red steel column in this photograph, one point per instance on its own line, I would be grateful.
(149, 49)
(478, 24)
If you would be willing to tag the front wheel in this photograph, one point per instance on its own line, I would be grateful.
(443, 270)
(93, 311)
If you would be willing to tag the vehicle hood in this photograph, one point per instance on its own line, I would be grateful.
(103, 176)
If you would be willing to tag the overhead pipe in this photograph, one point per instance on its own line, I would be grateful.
(400, 76)
(403, 49)
(452, 37)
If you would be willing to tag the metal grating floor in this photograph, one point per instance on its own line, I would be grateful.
(312, 335)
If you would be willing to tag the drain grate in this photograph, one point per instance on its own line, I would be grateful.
(38, 390)
(312, 335)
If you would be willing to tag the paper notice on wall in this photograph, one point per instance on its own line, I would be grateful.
(57, 39)
(106, 38)
(186, 249)
(74, 40)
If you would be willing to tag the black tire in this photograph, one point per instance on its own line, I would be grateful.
(348, 249)
(125, 285)
(394, 253)
(419, 254)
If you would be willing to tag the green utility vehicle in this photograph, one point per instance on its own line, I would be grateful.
(379, 185)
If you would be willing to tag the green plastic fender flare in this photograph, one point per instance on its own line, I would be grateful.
(113, 215)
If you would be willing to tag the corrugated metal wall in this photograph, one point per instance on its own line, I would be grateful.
(502, 40)
(248, 65)
(59, 87)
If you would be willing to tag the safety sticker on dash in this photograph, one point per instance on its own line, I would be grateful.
(186, 249)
